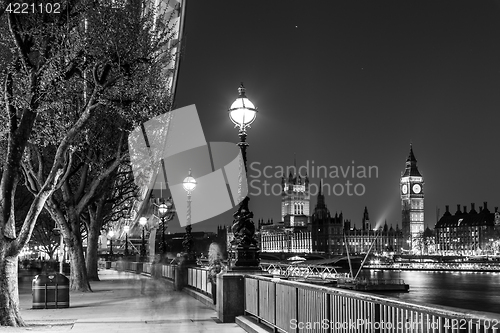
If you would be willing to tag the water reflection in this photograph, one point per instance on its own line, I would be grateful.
(479, 291)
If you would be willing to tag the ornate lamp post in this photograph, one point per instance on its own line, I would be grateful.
(126, 229)
(166, 212)
(143, 221)
(243, 113)
(189, 185)
(58, 232)
(111, 233)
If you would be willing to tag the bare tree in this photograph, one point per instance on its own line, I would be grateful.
(63, 74)
(110, 209)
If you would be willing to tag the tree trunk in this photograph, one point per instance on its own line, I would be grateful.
(70, 228)
(92, 249)
(9, 294)
(78, 274)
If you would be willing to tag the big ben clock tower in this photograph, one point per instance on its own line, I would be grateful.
(412, 202)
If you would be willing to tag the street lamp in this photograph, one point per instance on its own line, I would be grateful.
(58, 232)
(111, 233)
(166, 212)
(126, 229)
(143, 221)
(189, 185)
(243, 113)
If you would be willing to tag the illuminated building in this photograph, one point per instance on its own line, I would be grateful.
(279, 238)
(412, 202)
(326, 231)
(325, 234)
(385, 240)
(468, 233)
(295, 200)
(292, 234)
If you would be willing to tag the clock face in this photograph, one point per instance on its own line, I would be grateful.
(417, 188)
(404, 189)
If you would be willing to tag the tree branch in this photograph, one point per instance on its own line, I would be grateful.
(97, 181)
(67, 173)
(83, 182)
(31, 182)
(11, 110)
(35, 209)
(21, 47)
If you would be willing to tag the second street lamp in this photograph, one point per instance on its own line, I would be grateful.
(189, 185)
(126, 229)
(111, 233)
(143, 221)
(243, 113)
(166, 212)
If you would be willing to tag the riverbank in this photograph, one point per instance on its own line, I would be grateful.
(433, 268)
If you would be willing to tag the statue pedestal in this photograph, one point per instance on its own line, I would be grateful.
(231, 294)
(246, 258)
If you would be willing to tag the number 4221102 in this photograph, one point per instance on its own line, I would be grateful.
(31, 8)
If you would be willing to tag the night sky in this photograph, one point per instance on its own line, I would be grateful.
(343, 81)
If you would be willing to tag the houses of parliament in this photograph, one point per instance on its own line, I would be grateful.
(318, 231)
(302, 230)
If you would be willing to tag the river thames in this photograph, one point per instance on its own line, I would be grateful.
(479, 291)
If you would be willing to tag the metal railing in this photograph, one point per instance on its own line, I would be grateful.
(147, 267)
(198, 279)
(290, 306)
(167, 271)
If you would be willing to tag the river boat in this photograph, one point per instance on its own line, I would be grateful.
(354, 282)
(363, 284)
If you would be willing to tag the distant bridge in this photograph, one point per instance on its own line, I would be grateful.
(303, 270)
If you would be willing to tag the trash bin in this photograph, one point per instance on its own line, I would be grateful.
(50, 291)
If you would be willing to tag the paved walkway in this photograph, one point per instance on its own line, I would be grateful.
(124, 302)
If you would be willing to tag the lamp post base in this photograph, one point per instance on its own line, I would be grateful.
(246, 258)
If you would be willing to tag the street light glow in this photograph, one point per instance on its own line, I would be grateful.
(242, 112)
(189, 183)
(162, 209)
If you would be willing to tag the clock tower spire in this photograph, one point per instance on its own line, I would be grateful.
(412, 202)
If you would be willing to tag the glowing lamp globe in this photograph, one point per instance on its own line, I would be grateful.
(163, 209)
(111, 233)
(242, 112)
(126, 228)
(189, 183)
(143, 221)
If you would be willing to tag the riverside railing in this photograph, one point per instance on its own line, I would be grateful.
(291, 306)
(166, 271)
(198, 279)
